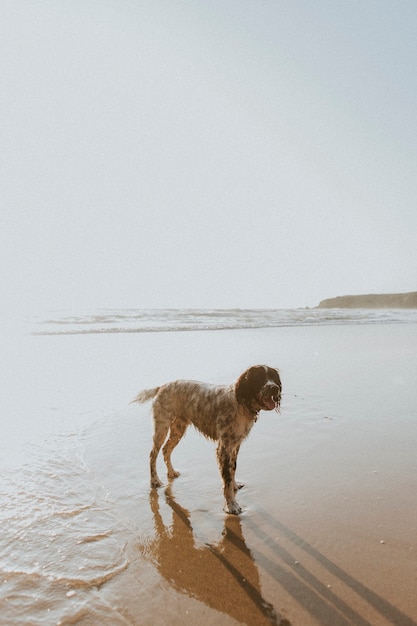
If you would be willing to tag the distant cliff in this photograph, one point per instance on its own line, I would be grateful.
(372, 301)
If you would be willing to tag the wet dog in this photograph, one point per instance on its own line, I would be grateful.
(224, 414)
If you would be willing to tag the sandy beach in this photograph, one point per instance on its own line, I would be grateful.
(328, 533)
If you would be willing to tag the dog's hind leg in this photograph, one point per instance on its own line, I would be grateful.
(178, 428)
(159, 437)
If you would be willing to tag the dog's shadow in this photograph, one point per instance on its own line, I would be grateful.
(223, 576)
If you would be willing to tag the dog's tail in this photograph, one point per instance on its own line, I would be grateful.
(145, 395)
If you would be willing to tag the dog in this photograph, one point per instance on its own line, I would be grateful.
(224, 414)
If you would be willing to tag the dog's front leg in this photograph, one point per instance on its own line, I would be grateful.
(236, 486)
(227, 464)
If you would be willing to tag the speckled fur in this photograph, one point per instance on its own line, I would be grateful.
(224, 414)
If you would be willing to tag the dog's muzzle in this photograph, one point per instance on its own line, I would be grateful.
(270, 397)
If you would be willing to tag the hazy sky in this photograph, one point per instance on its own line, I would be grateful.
(206, 153)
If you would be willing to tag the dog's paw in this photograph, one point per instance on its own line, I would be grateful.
(173, 474)
(233, 508)
(156, 483)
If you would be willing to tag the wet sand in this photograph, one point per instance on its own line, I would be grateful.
(329, 524)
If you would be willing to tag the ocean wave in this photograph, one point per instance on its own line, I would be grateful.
(174, 320)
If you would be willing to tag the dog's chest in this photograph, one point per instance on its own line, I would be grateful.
(242, 426)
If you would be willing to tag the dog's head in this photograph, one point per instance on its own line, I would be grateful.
(259, 387)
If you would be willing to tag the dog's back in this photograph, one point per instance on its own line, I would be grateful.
(189, 390)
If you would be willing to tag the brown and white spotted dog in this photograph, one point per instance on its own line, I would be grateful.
(224, 414)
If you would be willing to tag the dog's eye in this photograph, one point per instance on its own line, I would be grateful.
(275, 377)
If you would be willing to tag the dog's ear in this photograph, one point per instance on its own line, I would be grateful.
(242, 387)
(246, 384)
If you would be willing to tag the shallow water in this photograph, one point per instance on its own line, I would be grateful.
(328, 531)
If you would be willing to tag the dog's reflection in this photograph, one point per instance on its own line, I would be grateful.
(223, 575)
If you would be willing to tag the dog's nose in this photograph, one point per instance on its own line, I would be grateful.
(273, 389)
